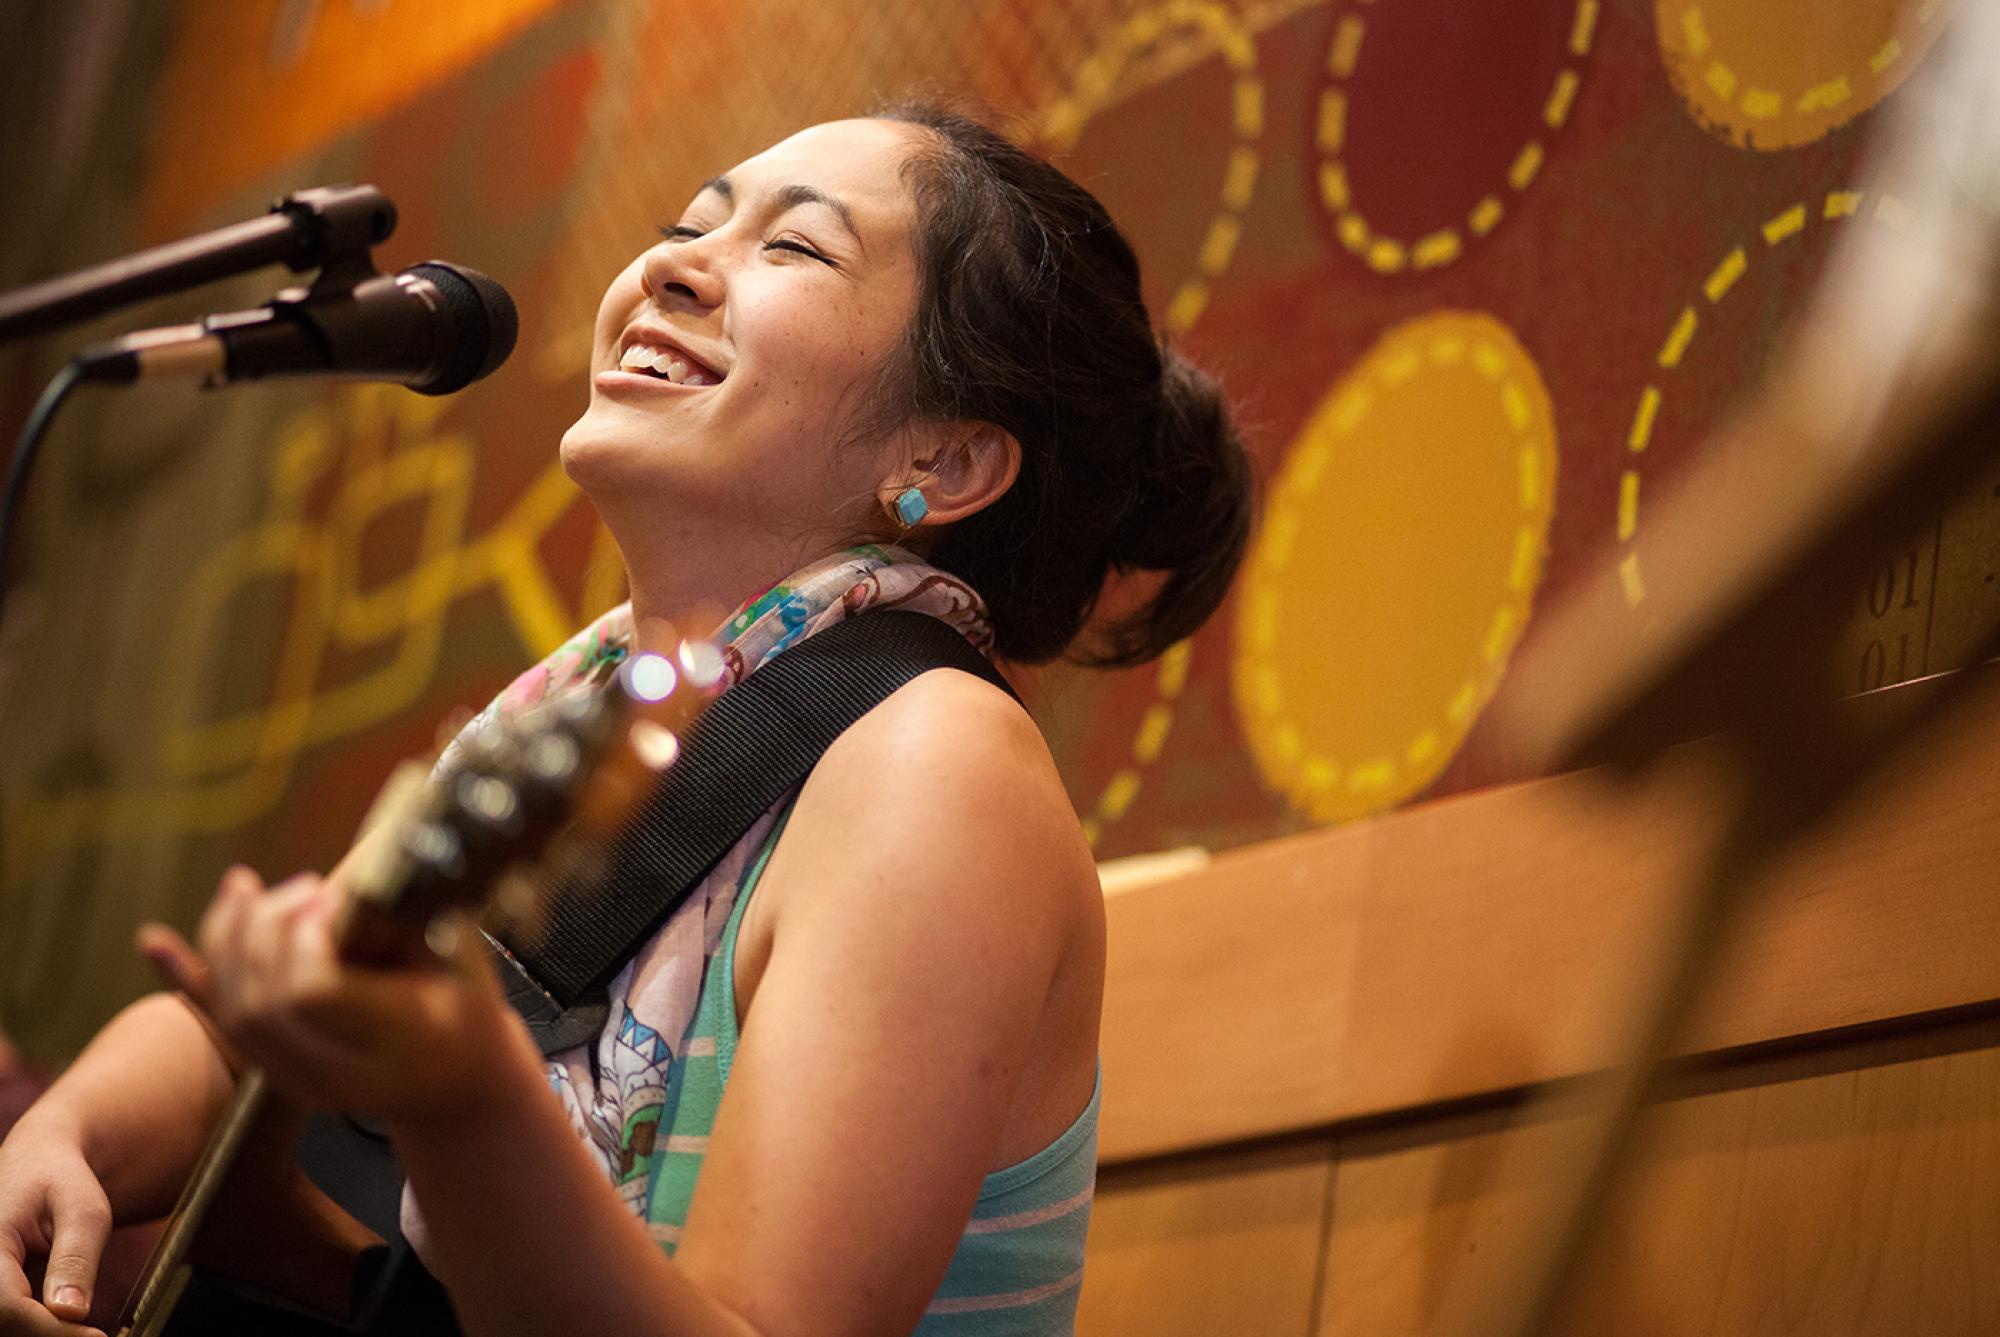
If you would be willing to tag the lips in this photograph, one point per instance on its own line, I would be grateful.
(649, 352)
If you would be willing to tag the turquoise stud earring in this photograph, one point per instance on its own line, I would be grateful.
(911, 507)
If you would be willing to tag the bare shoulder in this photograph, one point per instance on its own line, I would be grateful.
(934, 716)
(967, 772)
(953, 729)
(941, 809)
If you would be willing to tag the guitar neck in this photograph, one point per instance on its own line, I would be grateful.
(430, 856)
(167, 1269)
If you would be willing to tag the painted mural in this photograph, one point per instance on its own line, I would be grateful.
(1480, 276)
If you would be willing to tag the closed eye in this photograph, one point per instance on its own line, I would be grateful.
(785, 244)
(682, 232)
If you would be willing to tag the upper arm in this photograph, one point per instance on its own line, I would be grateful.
(928, 887)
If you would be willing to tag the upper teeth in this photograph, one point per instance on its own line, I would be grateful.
(675, 368)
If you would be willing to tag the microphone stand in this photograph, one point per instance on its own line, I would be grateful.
(304, 230)
(330, 228)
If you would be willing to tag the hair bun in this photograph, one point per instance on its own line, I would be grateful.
(1190, 515)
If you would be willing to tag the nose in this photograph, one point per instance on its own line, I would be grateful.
(681, 271)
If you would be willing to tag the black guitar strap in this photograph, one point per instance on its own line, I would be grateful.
(747, 750)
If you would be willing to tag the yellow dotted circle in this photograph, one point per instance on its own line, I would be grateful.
(1445, 243)
(1396, 566)
(1773, 76)
(1092, 88)
(1776, 232)
(1062, 125)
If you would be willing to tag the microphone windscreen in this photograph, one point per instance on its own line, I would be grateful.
(483, 324)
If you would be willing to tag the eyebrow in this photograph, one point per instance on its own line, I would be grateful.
(791, 197)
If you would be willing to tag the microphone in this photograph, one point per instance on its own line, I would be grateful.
(434, 327)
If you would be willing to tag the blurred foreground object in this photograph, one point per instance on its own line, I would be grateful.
(1887, 399)
(1886, 404)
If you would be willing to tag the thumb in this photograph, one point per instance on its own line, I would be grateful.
(82, 1221)
(178, 964)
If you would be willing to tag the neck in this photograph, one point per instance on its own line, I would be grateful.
(691, 583)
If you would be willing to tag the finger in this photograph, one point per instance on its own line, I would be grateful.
(20, 1311)
(301, 957)
(272, 925)
(82, 1217)
(264, 951)
(309, 885)
(14, 1283)
(252, 953)
(178, 964)
(222, 923)
(23, 1316)
(361, 1004)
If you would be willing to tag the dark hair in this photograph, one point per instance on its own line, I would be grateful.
(1029, 317)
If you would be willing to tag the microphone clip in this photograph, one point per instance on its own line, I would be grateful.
(281, 337)
(337, 224)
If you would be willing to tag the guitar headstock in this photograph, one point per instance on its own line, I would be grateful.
(529, 800)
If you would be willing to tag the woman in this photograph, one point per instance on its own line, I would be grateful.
(902, 331)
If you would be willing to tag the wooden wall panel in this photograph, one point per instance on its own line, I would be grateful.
(1852, 1192)
(1492, 941)
(1221, 1245)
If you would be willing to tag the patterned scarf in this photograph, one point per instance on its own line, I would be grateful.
(621, 1088)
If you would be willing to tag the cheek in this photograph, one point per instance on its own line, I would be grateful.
(620, 300)
(814, 347)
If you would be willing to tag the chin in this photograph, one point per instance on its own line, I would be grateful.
(620, 470)
(595, 455)
(576, 439)
(575, 450)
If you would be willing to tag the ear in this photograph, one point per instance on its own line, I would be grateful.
(972, 468)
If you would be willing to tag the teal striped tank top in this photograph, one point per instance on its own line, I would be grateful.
(1019, 1265)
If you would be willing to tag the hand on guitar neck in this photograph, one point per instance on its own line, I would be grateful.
(389, 1041)
(410, 1042)
(364, 991)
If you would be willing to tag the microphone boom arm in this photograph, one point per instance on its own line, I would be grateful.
(304, 230)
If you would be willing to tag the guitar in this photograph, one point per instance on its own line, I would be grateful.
(532, 801)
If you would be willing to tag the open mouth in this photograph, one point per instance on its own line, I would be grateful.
(665, 362)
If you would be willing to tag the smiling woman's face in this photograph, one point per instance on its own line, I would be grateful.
(730, 358)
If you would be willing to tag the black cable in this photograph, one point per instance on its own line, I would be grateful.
(25, 450)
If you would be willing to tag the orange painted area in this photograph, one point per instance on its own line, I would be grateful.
(534, 137)
(241, 95)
